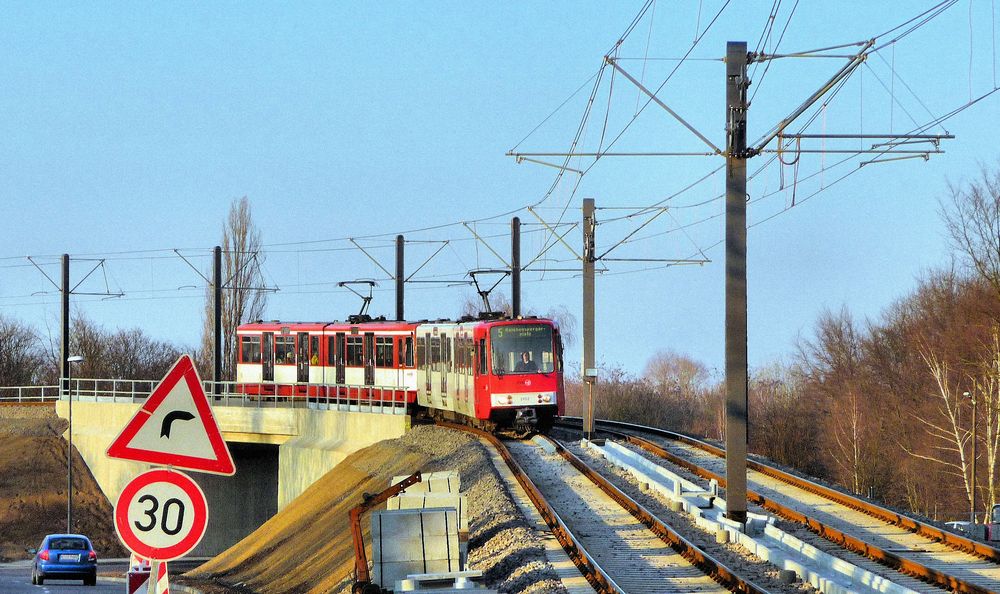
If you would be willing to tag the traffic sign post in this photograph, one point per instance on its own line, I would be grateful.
(175, 427)
(161, 515)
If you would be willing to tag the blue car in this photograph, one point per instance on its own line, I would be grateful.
(64, 557)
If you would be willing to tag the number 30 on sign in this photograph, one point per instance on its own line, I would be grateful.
(161, 515)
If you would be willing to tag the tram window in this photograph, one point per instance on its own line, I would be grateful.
(250, 349)
(314, 350)
(383, 351)
(284, 350)
(435, 350)
(482, 356)
(355, 350)
(331, 351)
(446, 351)
(421, 351)
(408, 349)
(511, 342)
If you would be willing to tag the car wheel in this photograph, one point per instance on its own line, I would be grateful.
(39, 580)
(34, 580)
(91, 581)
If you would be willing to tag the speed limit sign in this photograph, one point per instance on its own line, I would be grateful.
(161, 515)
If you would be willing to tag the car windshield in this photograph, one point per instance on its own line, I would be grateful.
(68, 544)
(522, 348)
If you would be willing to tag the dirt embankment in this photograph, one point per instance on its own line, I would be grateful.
(307, 547)
(33, 486)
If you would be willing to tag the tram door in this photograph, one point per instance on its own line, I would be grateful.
(341, 343)
(369, 358)
(302, 364)
(267, 360)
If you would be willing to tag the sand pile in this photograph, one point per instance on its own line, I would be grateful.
(33, 486)
(307, 546)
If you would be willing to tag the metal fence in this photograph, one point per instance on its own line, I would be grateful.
(343, 397)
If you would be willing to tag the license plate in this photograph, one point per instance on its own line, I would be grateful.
(69, 558)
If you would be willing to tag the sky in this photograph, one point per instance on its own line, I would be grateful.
(129, 129)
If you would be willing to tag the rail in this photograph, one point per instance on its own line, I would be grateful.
(954, 541)
(856, 545)
(383, 399)
(590, 570)
(601, 582)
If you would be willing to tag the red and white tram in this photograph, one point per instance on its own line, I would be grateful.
(497, 373)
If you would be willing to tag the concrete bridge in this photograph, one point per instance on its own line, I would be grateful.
(280, 446)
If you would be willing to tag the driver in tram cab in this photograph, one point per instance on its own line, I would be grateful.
(526, 364)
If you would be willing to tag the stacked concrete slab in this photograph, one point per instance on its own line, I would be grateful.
(420, 543)
(413, 541)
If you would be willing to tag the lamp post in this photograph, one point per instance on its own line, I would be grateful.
(69, 451)
(972, 507)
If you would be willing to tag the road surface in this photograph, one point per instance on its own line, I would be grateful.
(15, 578)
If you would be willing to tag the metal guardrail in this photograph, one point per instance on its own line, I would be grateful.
(29, 394)
(344, 397)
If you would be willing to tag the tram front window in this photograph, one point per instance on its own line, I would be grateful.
(524, 348)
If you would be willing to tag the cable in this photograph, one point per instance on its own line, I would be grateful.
(775, 50)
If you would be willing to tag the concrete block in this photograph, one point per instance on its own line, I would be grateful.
(442, 582)
(414, 541)
(721, 535)
(446, 481)
(546, 445)
(424, 500)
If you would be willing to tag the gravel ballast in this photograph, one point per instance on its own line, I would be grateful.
(294, 551)
(734, 556)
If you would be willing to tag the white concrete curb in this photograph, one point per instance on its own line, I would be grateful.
(823, 571)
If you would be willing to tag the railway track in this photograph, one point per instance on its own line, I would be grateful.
(617, 544)
(900, 543)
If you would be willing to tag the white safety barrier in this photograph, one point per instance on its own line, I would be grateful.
(343, 397)
(823, 571)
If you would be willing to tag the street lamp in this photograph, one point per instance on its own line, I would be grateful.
(69, 452)
(972, 509)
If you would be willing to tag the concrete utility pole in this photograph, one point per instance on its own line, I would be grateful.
(217, 318)
(400, 280)
(589, 368)
(64, 346)
(515, 267)
(736, 280)
(64, 385)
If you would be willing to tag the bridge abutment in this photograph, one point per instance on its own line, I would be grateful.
(278, 452)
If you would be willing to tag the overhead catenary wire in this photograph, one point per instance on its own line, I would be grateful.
(153, 253)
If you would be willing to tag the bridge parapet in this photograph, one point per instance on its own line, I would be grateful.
(342, 397)
(305, 437)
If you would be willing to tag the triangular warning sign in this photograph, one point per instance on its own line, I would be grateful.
(175, 427)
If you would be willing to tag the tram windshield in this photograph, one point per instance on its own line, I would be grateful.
(522, 348)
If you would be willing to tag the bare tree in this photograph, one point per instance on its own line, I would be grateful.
(244, 294)
(972, 218)
(834, 369)
(670, 371)
(21, 356)
(986, 391)
(473, 304)
(951, 435)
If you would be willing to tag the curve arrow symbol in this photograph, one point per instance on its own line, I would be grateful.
(177, 415)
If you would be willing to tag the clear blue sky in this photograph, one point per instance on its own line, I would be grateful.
(129, 127)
